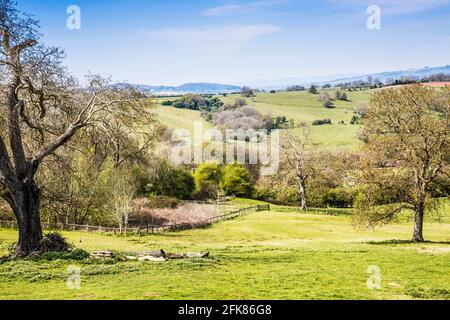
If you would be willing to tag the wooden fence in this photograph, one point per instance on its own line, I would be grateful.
(150, 229)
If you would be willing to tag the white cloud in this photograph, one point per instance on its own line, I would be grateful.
(242, 8)
(226, 37)
(396, 6)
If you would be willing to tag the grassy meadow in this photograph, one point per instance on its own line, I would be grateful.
(179, 118)
(281, 254)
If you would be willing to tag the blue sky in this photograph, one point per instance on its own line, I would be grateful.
(173, 42)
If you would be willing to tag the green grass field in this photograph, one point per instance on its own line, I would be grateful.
(266, 255)
(300, 106)
(303, 106)
(180, 118)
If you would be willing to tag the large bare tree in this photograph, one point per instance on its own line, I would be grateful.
(42, 108)
(300, 160)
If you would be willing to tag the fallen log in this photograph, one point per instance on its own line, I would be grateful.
(174, 256)
(155, 254)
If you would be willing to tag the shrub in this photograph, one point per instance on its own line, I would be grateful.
(167, 103)
(362, 109)
(341, 96)
(313, 89)
(264, 193)
(237, 181)
(355, 120)
(247, 92)
(328, 104)
(321, 122)
(167, 180)
(324, 96)
(295, 88)
(207, 180)
(238, 103)
(340, 197)
(245, 118)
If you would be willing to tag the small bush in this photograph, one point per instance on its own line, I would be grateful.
(355, 120)
(322, 122)
(328, 104)
(313, 89)
(340, 198)
(324, 96)
(167, 103)
(164, 179)
(207, 180)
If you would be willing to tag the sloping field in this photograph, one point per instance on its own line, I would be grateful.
(303, 106)
(300, 106)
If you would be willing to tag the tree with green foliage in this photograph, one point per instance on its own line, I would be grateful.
(408, 151)
(237, 181)
(207, 180)
(313, 89)
(247, 92)
(165, 179)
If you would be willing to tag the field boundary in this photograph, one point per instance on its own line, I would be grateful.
(150, 229)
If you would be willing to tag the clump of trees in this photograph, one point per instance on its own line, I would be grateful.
(296, 88)
(165, 179)
(236, 180)
(313, 89)
(244, 118)
(341, 96)
(240, 116)
(309, 177)
(196, 102)
(212, 180)
(247, 92)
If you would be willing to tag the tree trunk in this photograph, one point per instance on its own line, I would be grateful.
(25, 203)
(418, 222)
(302, 194)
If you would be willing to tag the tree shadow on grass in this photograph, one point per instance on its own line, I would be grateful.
(390, 242)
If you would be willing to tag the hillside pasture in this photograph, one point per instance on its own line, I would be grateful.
(299, 106)
(305, 107)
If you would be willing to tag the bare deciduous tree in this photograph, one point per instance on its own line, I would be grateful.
(42, 109)
(123, 191)
(299, 159)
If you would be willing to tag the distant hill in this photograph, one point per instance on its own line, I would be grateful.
(215, 88)
(336, 79)
(395, 75)
(198, 88)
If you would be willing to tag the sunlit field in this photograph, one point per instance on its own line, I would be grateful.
(267, 255)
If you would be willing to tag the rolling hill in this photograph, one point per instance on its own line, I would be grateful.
(198, 88)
